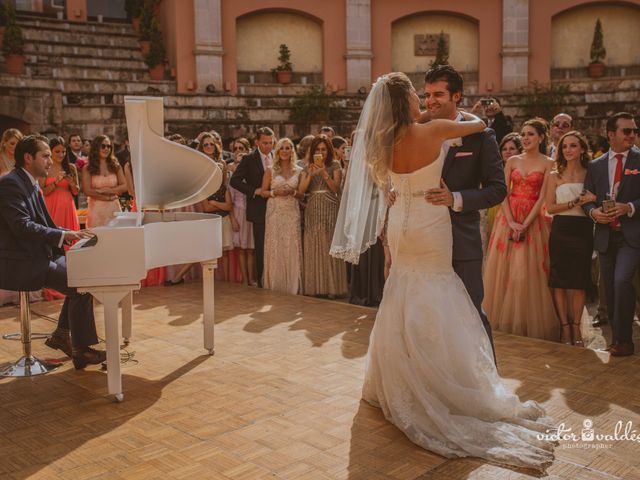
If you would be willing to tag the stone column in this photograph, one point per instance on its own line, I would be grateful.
(208, 36)
(359, 53)
(515, 44)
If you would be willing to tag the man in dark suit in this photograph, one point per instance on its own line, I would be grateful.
(616, 176)
(74, 149)
(472, 180)
(31, 254)
(248, 179)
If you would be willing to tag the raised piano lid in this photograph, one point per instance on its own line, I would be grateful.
(166, 174)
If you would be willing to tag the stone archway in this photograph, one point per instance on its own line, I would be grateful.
(259, 36)
(575, 27)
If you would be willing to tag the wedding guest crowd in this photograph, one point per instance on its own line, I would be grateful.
(279, 202)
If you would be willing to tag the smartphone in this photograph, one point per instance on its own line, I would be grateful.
(485, 102)
(608, 205)
(317, 160)
(347, 153)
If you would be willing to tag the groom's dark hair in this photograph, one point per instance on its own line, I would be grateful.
(445, 73)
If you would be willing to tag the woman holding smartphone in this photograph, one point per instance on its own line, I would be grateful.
(60, 186)
(323, 274)
(571, 240)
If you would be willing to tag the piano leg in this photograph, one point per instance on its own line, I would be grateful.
(110, 297)
(127, 312)
(208, 311)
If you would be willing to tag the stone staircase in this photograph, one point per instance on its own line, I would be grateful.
(77, 75)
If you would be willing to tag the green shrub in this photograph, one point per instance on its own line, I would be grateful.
(544, 101)
(314, 105)
(157, 53)
(285, 60)
(598, 51)
(13, 43)
(442, 52)
(147, 16)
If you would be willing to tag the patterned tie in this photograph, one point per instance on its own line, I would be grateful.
(616, 184)
(267, 162)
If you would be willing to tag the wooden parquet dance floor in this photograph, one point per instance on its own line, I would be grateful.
(279, 400)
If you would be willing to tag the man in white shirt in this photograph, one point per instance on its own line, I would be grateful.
(247, 179)
(615, 180)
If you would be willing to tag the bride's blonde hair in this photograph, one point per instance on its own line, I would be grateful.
(381, 141)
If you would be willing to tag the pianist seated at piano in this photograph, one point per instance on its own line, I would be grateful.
(32, 255)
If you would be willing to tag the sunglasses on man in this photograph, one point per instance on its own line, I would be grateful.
(629, 131)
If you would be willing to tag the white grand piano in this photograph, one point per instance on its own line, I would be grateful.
(110, 266)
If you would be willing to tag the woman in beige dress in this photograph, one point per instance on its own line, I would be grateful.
(321, 179)
(282, 238)
(102, 182)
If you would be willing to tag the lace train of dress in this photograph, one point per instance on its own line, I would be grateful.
(430, 365)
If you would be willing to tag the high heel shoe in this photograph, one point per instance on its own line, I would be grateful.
(576, 334)
(565, 336)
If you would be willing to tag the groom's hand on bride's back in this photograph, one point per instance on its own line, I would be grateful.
(440, 196)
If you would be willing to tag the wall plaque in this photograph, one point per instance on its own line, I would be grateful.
(427, 44)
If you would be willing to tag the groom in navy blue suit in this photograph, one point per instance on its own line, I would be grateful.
(472, 180)
(616, 175)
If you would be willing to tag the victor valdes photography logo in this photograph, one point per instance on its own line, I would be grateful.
(589, 437)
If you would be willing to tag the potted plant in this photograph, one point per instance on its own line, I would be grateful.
(156, 56)
(134, 9)
(284, 71)
(598, 52)
(12, 43)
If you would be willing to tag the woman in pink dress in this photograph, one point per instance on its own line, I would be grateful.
(60, 186)
(517, 297)
(102, 182)
(242, 230)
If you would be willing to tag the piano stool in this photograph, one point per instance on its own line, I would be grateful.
(27, 365)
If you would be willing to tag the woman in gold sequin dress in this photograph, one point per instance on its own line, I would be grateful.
(320, 180)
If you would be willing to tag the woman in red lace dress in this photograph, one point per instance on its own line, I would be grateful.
(517, 297)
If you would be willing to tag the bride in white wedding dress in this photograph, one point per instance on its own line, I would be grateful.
(430, 365)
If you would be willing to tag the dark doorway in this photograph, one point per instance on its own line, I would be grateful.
(10, 122)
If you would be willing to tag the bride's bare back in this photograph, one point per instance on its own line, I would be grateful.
(420, 146)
